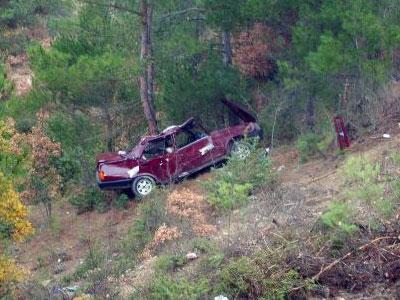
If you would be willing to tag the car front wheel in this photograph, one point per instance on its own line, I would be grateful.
(143, 186)
(240, 150)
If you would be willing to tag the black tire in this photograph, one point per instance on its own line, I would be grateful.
(142, 186)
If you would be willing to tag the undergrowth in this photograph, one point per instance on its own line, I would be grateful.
(229, 187)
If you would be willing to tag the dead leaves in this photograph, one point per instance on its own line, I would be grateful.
(185, 203)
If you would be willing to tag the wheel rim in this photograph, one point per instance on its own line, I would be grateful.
(144, 186)
(240, 150)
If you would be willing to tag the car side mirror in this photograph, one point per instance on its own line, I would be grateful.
(169, 150)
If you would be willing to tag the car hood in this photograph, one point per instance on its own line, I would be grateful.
(109, 156)
(238, 110)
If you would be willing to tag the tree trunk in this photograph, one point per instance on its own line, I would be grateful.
(147, 76)
(227, 60)
(227, 53)
(310, 113)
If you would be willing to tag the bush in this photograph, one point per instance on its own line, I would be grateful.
(227, 195)
(252, 278)
(211, 262)
(338, 221)
(170, 263)
(94, 259)
(151, 215)
(90, 199)
(363, 176)
(359, 170)
(69, 166)
(166, 288)
(307, 145)
(122, 201)
(6, 86)
(231, 186)
(242, 277)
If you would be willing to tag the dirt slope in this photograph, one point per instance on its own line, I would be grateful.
(305, 193)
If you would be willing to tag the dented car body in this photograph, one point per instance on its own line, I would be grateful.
(174, 154)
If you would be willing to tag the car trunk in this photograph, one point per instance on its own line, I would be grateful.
(240, 111)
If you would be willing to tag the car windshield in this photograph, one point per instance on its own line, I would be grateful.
(136, 151)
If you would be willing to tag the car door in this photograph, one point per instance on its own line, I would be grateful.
(159, 159)
(190, 152)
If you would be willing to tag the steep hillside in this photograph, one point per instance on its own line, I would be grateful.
(288, 214)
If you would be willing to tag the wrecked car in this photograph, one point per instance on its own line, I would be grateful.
(177, 152)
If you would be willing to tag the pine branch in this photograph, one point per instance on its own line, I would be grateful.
(112, 5)
(181, 12)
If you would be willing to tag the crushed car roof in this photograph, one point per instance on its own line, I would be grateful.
(237, 109)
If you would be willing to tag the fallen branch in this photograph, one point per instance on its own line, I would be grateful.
(361, 248)
(321, 177)
(335, 262)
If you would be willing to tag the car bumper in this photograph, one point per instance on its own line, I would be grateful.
(115, 184)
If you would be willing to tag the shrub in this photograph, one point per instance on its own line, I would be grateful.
(337, 222)
(69, 166)
(9, 273)
(256, 277)
(90, 199)
(363, 175)
(122, 201)
(213, 258)
(166, 288)
(227, 196)
(395, 158)
(231, 186)
(6, 86)
(358, 169)
(242, 277)
(151, 215)
(280, 288)
(307, 145)
(170, 263)
(371, 193)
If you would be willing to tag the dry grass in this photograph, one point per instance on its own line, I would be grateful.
(186, 203)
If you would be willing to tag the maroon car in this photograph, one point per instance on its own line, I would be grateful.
(175, 153)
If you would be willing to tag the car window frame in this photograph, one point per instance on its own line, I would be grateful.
(182, 130)
(164, 138)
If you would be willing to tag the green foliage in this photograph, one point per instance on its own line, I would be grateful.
(203, 83)
(338, 218)
(91, 198)
(151, 215)
(17, 15)
(94, 259)
(231, 186)
(70, 130)
(245, 277)
(170, 263)
(395, 158)
(282, 287)
(372, 194)
(307, 144)
(212, 258)
(241, 277)
(6, 85)
(122, 201)
(227, 196)
(363, 175)
(166, 288)
(359, 169)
